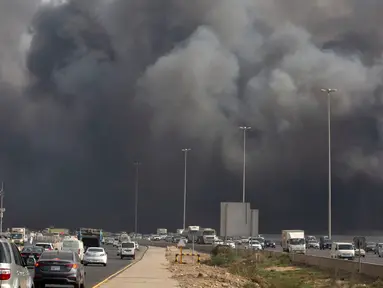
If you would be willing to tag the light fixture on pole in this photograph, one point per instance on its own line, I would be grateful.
(244, 129)
(185, 150)
(137, 165)
(329, 91)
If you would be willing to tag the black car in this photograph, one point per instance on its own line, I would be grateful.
(269, 244)
(325, 243)
(32, 251)
(60, 268)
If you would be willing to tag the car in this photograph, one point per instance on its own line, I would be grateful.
(370, 247)
(31, 252)
(116, 243)
(312, 244)
(95, 255)
(127, 249)
(155, 238)
(360, 252)
(137, 246)
(255, 245)
(269, 244)
(46, 246)
(230, 243)
(13, 269)
(59, 267)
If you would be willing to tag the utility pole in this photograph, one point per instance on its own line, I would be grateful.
(244, 129)
(185, 150)
(2, 209)
(137, 165)
(328, 91)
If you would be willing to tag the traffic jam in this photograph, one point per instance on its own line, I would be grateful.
(37, 259)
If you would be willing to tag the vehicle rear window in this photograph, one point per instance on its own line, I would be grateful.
(32, 250)
(5, 253)
(62, 255)
(71, 244)
(128, 245)
(45, 246)
(345, 247)
(95, 250)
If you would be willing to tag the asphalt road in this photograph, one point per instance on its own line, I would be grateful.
(95, 273)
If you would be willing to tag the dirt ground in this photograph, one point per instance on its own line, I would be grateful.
(192, 274)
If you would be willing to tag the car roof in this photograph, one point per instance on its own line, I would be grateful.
(342, 243)
(45, 243)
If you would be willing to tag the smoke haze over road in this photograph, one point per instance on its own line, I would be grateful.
(87, 87)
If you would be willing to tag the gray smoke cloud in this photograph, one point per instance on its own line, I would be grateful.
(87, 86)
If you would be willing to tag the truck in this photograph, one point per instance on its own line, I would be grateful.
(191, 233)
(162, 232)
(293, 241)
(18, 236)
(206, 236)
(91, 237)
(124, 237)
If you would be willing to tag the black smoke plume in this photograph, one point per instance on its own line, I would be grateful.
(87, 87)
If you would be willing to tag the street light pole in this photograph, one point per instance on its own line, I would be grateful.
(244, 129)
(328, 91)
(2, 210)
(185, 150)
(137, 165)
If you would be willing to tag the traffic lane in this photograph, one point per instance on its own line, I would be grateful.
(369, 258)
(97, 273)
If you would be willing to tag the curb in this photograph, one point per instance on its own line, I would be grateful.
(121, 270)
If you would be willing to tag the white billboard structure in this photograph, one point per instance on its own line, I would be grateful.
(238, 219)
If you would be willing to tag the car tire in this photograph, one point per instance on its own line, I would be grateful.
(85, 264)
(121, 257)
(104, 264)
(38, 285)
(134, 257)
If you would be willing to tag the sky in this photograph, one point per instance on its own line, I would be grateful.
(87, 87)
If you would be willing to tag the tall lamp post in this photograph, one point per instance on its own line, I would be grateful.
(185, 150)
(244, 129)
(329, 91)
(2, 209)
(137, 165)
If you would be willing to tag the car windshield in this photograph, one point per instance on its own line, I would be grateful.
(128, 245)
(297, 241)
(17, 236)
(95, 250)
(254, 242)
(370, 244)
(312, 241)
(32, 250)
(345, 247)
(209, 232)
(57, 255)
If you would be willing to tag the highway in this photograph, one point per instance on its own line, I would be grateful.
(95, 274)
(370, 256)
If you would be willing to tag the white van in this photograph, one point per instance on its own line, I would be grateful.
(342, 250)
(74, 245)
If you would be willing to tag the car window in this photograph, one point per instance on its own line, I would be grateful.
(5, 253)
(63, 255)
(16, 253)
(127, 245)
(95, 250)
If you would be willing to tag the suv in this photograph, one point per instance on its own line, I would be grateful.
(13, 270)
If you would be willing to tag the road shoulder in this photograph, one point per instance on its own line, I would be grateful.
(151, 271)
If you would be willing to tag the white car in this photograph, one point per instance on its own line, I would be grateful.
(137, 246)
(95, 255)
(255, 245)
(127, 249)
(230, 243)
(46, 246)
(360, 252)
(116, 243)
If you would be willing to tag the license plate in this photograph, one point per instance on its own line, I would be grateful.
(55, 268)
